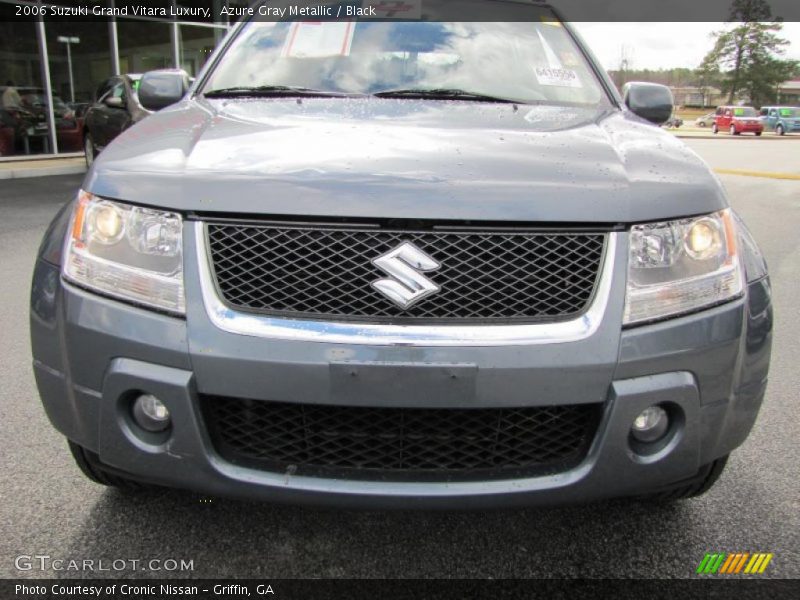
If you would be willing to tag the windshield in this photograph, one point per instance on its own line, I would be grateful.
(531, 62)
(745, 111)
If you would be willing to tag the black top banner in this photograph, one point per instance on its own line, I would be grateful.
(230, 11)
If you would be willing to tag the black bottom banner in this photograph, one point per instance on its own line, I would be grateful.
(353, 589)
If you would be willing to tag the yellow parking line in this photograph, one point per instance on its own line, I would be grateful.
(765, 174)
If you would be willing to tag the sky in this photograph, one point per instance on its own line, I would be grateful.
(662, 45)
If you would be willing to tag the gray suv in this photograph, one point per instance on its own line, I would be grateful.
(402, 264)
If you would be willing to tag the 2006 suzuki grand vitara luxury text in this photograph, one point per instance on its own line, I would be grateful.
(398, 263)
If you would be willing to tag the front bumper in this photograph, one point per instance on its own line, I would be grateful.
(749, 127)
(91, 353)
(790, 127)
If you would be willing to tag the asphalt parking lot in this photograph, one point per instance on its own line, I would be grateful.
(48, 508)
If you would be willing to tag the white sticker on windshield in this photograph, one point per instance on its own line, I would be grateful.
(552, 59)
(557, 77)
(319, 39)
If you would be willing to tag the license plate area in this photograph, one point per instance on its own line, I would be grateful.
(403, 384)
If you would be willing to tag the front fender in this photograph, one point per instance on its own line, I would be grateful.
(52, 245)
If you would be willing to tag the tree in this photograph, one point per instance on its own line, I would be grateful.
(708, 76)
(748, 53)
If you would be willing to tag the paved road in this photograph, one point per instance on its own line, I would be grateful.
(768, 154)
(46, 507)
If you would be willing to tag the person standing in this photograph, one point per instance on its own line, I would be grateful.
(11, 97)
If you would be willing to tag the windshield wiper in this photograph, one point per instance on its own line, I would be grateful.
(441, 94)
(274, 91)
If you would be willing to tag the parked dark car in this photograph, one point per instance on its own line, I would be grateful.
(116, 109)
(402, 264)
(79, 108)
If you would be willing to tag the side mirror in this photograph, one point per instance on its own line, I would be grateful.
(159, 89)
(651, 101)
(113, 102)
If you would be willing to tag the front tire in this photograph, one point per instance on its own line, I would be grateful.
(733, 130)
(758, 134)
(694, 487)
(89, 464)
(779, 130)
(714, 129)
(702, 123)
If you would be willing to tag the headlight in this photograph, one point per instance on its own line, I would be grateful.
(128, 252)
(679, 266)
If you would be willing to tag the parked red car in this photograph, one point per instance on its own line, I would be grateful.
(6, 133)
(737, 120)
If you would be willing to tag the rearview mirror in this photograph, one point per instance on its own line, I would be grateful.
(651, 101)
(159, 89)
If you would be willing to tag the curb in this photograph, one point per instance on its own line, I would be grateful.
(26, 171)
(710, 136)
(764, 174)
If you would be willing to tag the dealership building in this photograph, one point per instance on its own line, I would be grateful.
(68, 58)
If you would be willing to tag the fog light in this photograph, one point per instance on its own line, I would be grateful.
(650, 425)
(150, 414)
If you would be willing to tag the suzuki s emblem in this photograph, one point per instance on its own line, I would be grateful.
(406, 285)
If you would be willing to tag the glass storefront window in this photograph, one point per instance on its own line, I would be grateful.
(79, 61)
(144, 46)
(197, 44)
(23, 130)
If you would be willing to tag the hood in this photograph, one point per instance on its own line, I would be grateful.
(415, 159)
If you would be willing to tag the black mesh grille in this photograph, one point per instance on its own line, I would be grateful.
(319, 272)
(365, 442)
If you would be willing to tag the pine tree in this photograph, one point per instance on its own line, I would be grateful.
(748, 52)
(707, 76)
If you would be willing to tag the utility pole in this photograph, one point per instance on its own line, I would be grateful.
(625, 64)
(69, 41)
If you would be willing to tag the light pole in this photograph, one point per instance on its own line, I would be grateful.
(69, 41)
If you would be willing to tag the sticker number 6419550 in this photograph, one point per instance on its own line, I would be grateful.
(557, 76)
